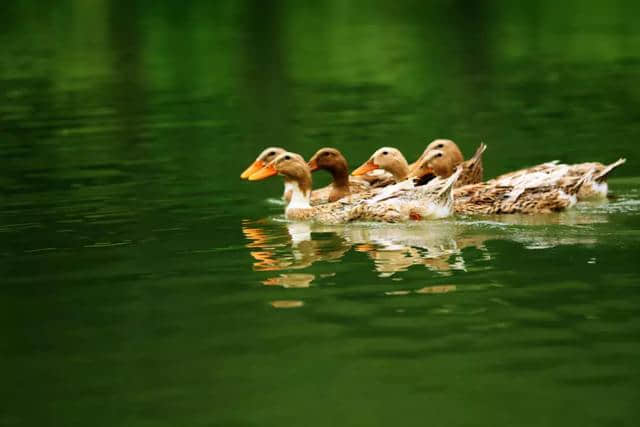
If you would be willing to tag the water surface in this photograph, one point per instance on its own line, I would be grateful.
(145, 284)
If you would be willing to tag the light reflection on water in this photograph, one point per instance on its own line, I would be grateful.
(439, 246)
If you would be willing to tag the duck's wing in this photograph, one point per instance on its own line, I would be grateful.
(393, 191)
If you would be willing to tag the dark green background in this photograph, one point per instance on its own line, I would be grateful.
(132, 293)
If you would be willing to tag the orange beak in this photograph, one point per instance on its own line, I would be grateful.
(263, 173)
(255, 167)
(367, 167)
(313, 165)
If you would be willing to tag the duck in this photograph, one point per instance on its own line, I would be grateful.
(408, 200)
(445, 145)
(398, 205)
(332, 160)
(596, 188)
(263, 159)
(472, 169)
(297, 178)
(487, 198)
(389, 159)
(538, 192)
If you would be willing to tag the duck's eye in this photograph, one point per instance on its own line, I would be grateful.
(273, 153)
(439, 145)
(439, 155)
(326, 154)
(287, 157)
(384, 153)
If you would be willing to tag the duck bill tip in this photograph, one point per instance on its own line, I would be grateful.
(313, 165)
(367, 167)
(255, 167)
(263, 173)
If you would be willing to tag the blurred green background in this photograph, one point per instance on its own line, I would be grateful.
(143, 283)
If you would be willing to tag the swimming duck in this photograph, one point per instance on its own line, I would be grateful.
(266, 157)
(532, 193)
(596, 188)
(389, 159)
(486, 198)
(297, 177)
(409, 201)
(445, 145)
(472, 169)
(399, 206)
(332, 160)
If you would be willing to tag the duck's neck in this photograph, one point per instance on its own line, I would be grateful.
(340, 174)
(399, 170)
(300, 194)
(444, 170)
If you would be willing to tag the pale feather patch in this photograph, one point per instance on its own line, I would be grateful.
(299, 198)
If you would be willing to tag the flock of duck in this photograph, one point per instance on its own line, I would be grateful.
(438, 184)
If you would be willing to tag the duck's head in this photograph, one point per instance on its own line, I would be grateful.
(329, 159)
(268, 155)
(448, 156)
(290, 165)
(387, 158)
(428, 165)
(448, 147)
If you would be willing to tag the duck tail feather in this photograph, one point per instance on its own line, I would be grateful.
(447, 186)
(585, 178)
(607, 170)
(478, 154)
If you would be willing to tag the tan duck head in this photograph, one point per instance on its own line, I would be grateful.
(449, 149)
(297, 177)
(388, 158)
(434, 162)
(267, 155)
(333, 161)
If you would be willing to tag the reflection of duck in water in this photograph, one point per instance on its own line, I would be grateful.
(296, 246)
(396, 248)
(295, 249)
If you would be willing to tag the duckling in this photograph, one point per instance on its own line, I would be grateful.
(332, 160)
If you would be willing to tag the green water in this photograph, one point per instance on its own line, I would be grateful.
(144, 284)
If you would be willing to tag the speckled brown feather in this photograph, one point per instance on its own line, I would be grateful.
(472, 169)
